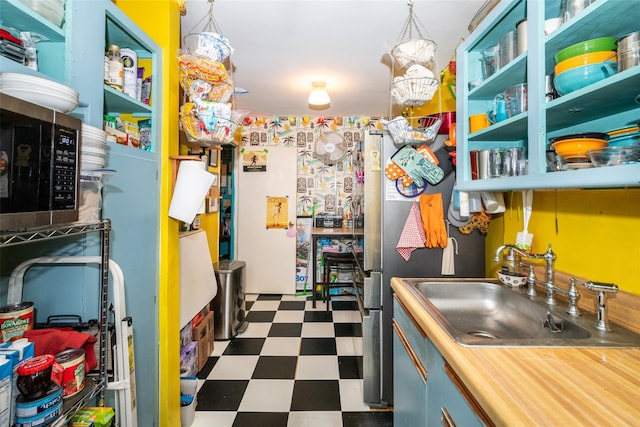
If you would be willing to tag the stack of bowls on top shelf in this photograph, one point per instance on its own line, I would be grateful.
(572, 151)
(584, 63)
(92, 148)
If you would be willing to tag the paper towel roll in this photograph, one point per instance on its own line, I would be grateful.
(192, 185)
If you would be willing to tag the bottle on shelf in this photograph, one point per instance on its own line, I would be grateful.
(116, 68)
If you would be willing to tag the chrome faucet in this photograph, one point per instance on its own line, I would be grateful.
(549, 258)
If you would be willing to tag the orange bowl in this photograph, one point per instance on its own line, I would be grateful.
(586, 59)
(577, 147)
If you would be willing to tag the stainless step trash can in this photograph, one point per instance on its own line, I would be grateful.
(228, 305)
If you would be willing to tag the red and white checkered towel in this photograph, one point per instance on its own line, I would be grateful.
(412, 236)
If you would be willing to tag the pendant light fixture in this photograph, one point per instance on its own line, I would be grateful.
(319, 98)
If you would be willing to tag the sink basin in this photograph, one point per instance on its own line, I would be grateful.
(484, 313)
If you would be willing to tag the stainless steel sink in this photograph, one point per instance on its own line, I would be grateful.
(484, 313)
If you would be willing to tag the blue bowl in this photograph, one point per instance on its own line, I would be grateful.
(625, 140)
(579, 77)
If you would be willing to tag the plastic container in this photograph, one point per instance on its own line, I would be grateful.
(188, 401)
(35, 375)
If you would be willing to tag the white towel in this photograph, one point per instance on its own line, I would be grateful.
(412, 236)
(448, 263)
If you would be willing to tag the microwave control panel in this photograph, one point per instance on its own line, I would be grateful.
(64, 168)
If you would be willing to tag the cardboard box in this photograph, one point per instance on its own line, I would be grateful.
(203, 334)
(189, 360)
(185, 336)
(93, 416)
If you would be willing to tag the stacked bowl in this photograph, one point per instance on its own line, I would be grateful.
(572, 151)
(584, 63)
(92, 148)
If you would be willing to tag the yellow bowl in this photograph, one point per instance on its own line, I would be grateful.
(577, 147)
(586, 59)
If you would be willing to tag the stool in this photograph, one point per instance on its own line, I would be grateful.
(335, 259)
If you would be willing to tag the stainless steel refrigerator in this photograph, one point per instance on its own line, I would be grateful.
(385, 213)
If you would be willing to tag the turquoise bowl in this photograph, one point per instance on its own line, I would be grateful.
(579, 77)
(625, 140)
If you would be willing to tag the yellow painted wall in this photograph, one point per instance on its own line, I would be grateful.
(597, 236)
(160, 19)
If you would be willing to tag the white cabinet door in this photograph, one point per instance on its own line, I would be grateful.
(270, 253)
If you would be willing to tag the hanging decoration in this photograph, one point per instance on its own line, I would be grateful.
(415, 83)
(207, 116)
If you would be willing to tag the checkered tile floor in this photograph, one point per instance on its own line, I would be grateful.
(293, 366)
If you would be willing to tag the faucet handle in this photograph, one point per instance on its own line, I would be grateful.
(601, 286)
(573, 296)
(601, 289)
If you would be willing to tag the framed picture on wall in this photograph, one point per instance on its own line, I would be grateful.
(212, 205)
(213, 157)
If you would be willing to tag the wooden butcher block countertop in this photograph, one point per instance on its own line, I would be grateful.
(529, 386)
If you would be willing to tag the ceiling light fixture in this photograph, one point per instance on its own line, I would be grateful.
(319, 98)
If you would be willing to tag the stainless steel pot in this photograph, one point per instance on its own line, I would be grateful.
(628, 51)
(570, 8)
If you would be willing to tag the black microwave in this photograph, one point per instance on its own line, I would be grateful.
(39, 165)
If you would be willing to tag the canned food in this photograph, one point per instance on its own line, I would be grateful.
(72, 362)
(15, 320)
(26, 408)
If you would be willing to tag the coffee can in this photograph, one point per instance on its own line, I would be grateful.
(130, 69)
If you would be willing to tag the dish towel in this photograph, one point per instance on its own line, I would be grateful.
(448, 255)
(56, 340)
(412, 236)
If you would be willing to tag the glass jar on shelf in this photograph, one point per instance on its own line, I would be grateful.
(116, 68)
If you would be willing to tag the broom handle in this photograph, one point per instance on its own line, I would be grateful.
(527, 207)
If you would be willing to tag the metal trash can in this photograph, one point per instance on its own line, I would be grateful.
(228, 306)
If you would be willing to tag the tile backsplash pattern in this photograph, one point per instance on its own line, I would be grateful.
(328, 188)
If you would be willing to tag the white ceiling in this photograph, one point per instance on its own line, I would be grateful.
(281, 46)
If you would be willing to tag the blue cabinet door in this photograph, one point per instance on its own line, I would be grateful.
(409, 386)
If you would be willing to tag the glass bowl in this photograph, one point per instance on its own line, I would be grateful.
(612, 156)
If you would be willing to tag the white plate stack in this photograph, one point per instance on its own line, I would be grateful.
(92, 148)
(38, 90)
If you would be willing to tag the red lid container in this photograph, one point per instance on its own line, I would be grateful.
(36, 364)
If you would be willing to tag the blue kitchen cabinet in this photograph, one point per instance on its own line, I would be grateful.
(424, 392)
(409, 372)
(600, 107)
(131, 197)
(448, 406)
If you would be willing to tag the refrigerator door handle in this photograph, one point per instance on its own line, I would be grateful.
(372, 201)
(371, 369)
(373, 291)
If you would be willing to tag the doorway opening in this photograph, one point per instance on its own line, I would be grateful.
(227, 158)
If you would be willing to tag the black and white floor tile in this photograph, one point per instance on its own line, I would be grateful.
(293, 366)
